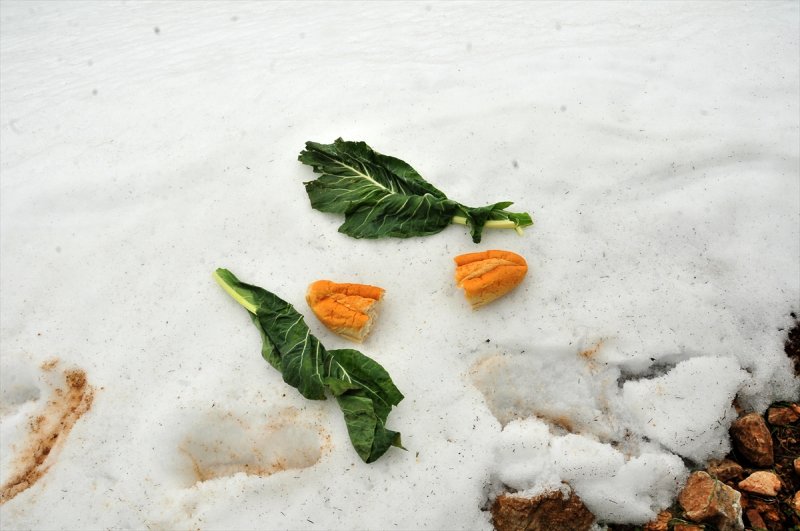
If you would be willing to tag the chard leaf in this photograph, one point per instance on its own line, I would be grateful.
(478, 218)
(268, 350)
(287, 341)
(370, 437)
(399, 216)
(363, 389)
(382, 196)
(362, 373)
(366, 394)
(361, 421)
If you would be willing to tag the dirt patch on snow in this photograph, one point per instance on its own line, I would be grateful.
(224, 444)
(48, 430)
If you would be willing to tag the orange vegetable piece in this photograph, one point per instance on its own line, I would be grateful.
(347, 309)
(488, 275)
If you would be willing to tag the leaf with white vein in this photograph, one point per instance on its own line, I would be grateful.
(382, 196)
(363, 389)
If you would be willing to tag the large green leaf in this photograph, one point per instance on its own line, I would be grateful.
(383, 196)
(370, 437)
(363, 389)
(287, 342)
(399, 216)
(356, 164)
(363, 373)
(366, 394)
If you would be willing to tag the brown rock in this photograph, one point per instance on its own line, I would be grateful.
(797, 466)
(752, 439)
(687, 527)
(796, 501)
(661, 523)
(542, 513)
(724, 470)
(705, 499)
(756, 522)
(762, 482)
(769, 512)
(781, 416)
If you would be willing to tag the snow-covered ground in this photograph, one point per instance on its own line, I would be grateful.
(657, 146)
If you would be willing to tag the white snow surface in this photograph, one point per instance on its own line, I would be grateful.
(657, 146)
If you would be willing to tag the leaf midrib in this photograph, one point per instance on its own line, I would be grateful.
(366, 176)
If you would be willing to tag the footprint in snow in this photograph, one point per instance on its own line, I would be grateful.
(222, 443)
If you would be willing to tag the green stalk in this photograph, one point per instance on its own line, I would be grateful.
(492, 224)
(233, 293)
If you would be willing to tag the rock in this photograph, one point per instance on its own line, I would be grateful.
(724, 470)
(781, 416)
(661, 523)
(762, 482)
(796, 502)
(705, 499)
(756, 522)
(753, 440)
(687, 527)
(769, 512)
(797, 466)
(541, 513)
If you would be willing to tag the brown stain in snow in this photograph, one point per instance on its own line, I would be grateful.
(590, 352)
(48, 430)
(50, 364)
(226, 455)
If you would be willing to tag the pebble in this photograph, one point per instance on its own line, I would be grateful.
(782, 416)
(762, 482)
(707, 500)
(752, 439)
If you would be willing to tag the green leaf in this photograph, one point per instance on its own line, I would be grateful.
(366, 394)
(268, 350)
(358, 164)
(287, 340)
(399, 216)
(363, 389)
(356, 369)
(370, 438)
(382, 196)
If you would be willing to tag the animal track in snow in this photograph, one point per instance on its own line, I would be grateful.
(223, 443)
(48, 425)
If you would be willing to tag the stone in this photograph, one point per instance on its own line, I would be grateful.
(797, 465)
(756, 522)
(762, 482)
(796, 501)
(705, 499)
(782, 416)
(687, 527)
(769, 512)
(752, 439)
(661, 523)
(724, 470)
(545, 512)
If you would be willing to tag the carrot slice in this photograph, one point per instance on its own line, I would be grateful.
(346, 309)
(488, 275)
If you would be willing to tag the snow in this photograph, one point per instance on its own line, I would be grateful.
(660, 405)
(656, 145)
